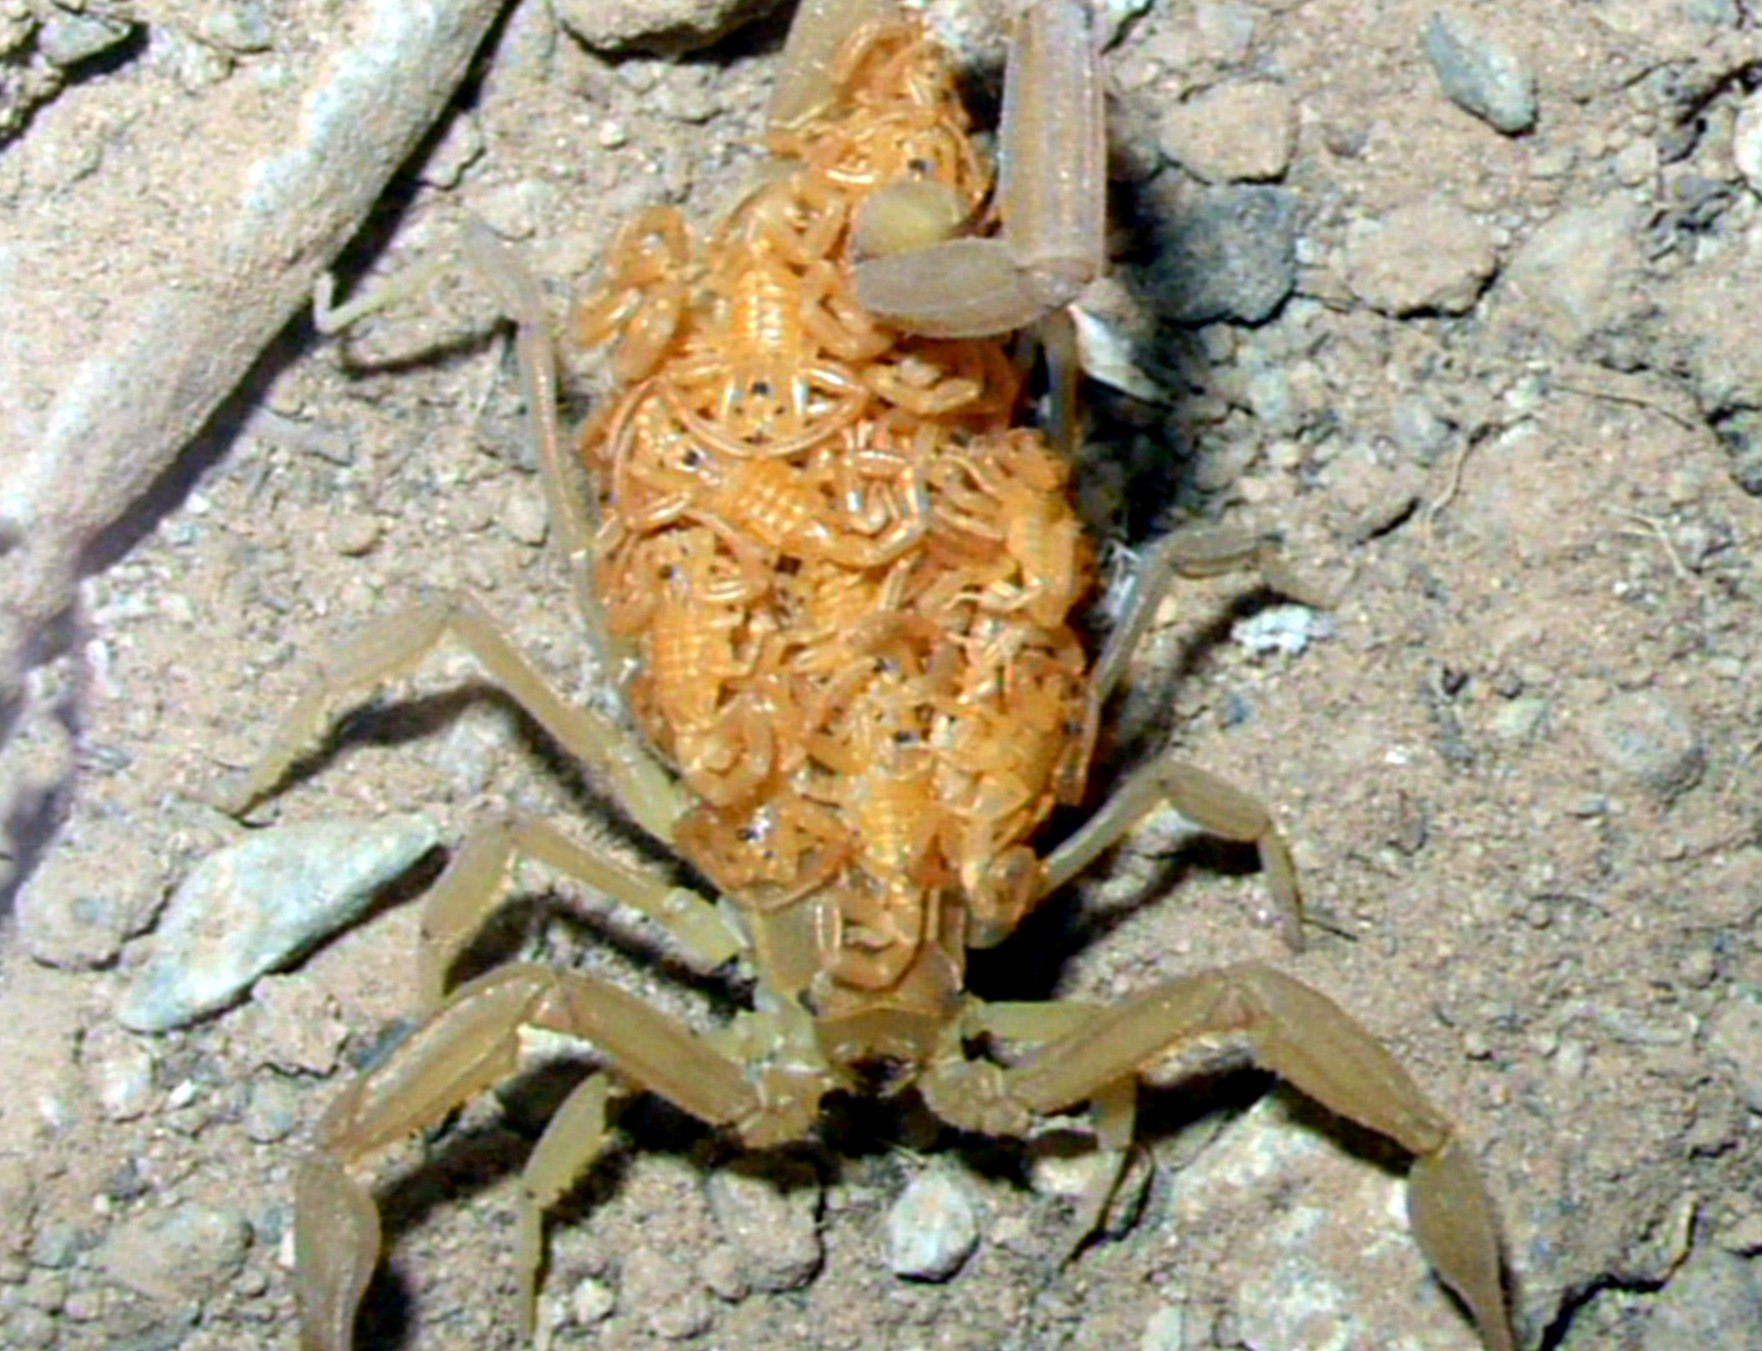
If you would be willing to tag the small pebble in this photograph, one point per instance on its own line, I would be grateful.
(1285, 629)
(1571, 277)
(67, 39)
(355, 534)
(293, 1025)
(1244, 132)
(1649, 738)
(119, 1071)
(1734, 1037)
(1166, 1330)
(591, 1301)
(1746, 140)
(672, 26)
(241, 27)
(261, 903)
(74, 914)
(272, 1109)
(770, 1215)
(523, 515)
(1520, 719)
(1230, 253)
(1479, 75)
(1418, 429)
(934, 1226)
(671, 1303)
(186, 1253)
(1428, 257)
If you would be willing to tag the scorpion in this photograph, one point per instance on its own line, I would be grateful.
(836, 582)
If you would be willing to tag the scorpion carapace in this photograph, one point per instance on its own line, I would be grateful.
(837, 575)
(845, 573)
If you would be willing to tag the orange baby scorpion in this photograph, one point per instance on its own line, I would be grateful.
(836, 580)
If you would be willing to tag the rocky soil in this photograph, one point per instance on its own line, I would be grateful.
(1460, 299)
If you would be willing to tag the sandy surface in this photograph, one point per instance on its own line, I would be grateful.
(1506, 416)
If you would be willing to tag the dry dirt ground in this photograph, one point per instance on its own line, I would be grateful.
(1499, 390)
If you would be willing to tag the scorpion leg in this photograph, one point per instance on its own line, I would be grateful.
(1195, 552)
(1051, 197)
(494, 266)
(641, 786)
(473, 884)
(1210, 803)
(466, 1046)
(1304, 1037)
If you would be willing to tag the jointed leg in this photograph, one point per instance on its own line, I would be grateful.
(1307, 1039)
(568, 503)
(394, 646)
(1210, 802)
(473, 883)
(572, 1140)
(1195, 552)
(471, 1043)
(1206, 800)
(973, 1095)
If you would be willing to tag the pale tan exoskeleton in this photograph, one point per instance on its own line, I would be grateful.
(839, 581)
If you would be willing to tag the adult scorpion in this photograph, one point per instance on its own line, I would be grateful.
(836, 579)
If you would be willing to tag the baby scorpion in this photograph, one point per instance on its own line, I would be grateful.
(839, 583)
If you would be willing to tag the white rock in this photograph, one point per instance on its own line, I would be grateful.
(933, 1227)
(1746, 141)
(258, 905)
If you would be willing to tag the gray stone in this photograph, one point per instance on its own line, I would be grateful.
(1714, 13)
(933, 1227)
(258, 905)
(1746, 141)
(1741, 434)
(1428, 257)
(1243, 132)
(272, 1109)
(671, 1303)
(1734, 1037)
(1650, 739)
(592, 1301)
(67, 39)
(241, 27)
(75, 915)
(655, 25)
(18, 1206)
(1573, 275)
(770, 1215)
(119, 1071)
(1478, 74)
(1231, 253)
(1694, 328)
(1166, 1329)
(183, 1254)
(1714, 1300)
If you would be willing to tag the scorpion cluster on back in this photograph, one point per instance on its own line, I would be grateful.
(838, 578)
